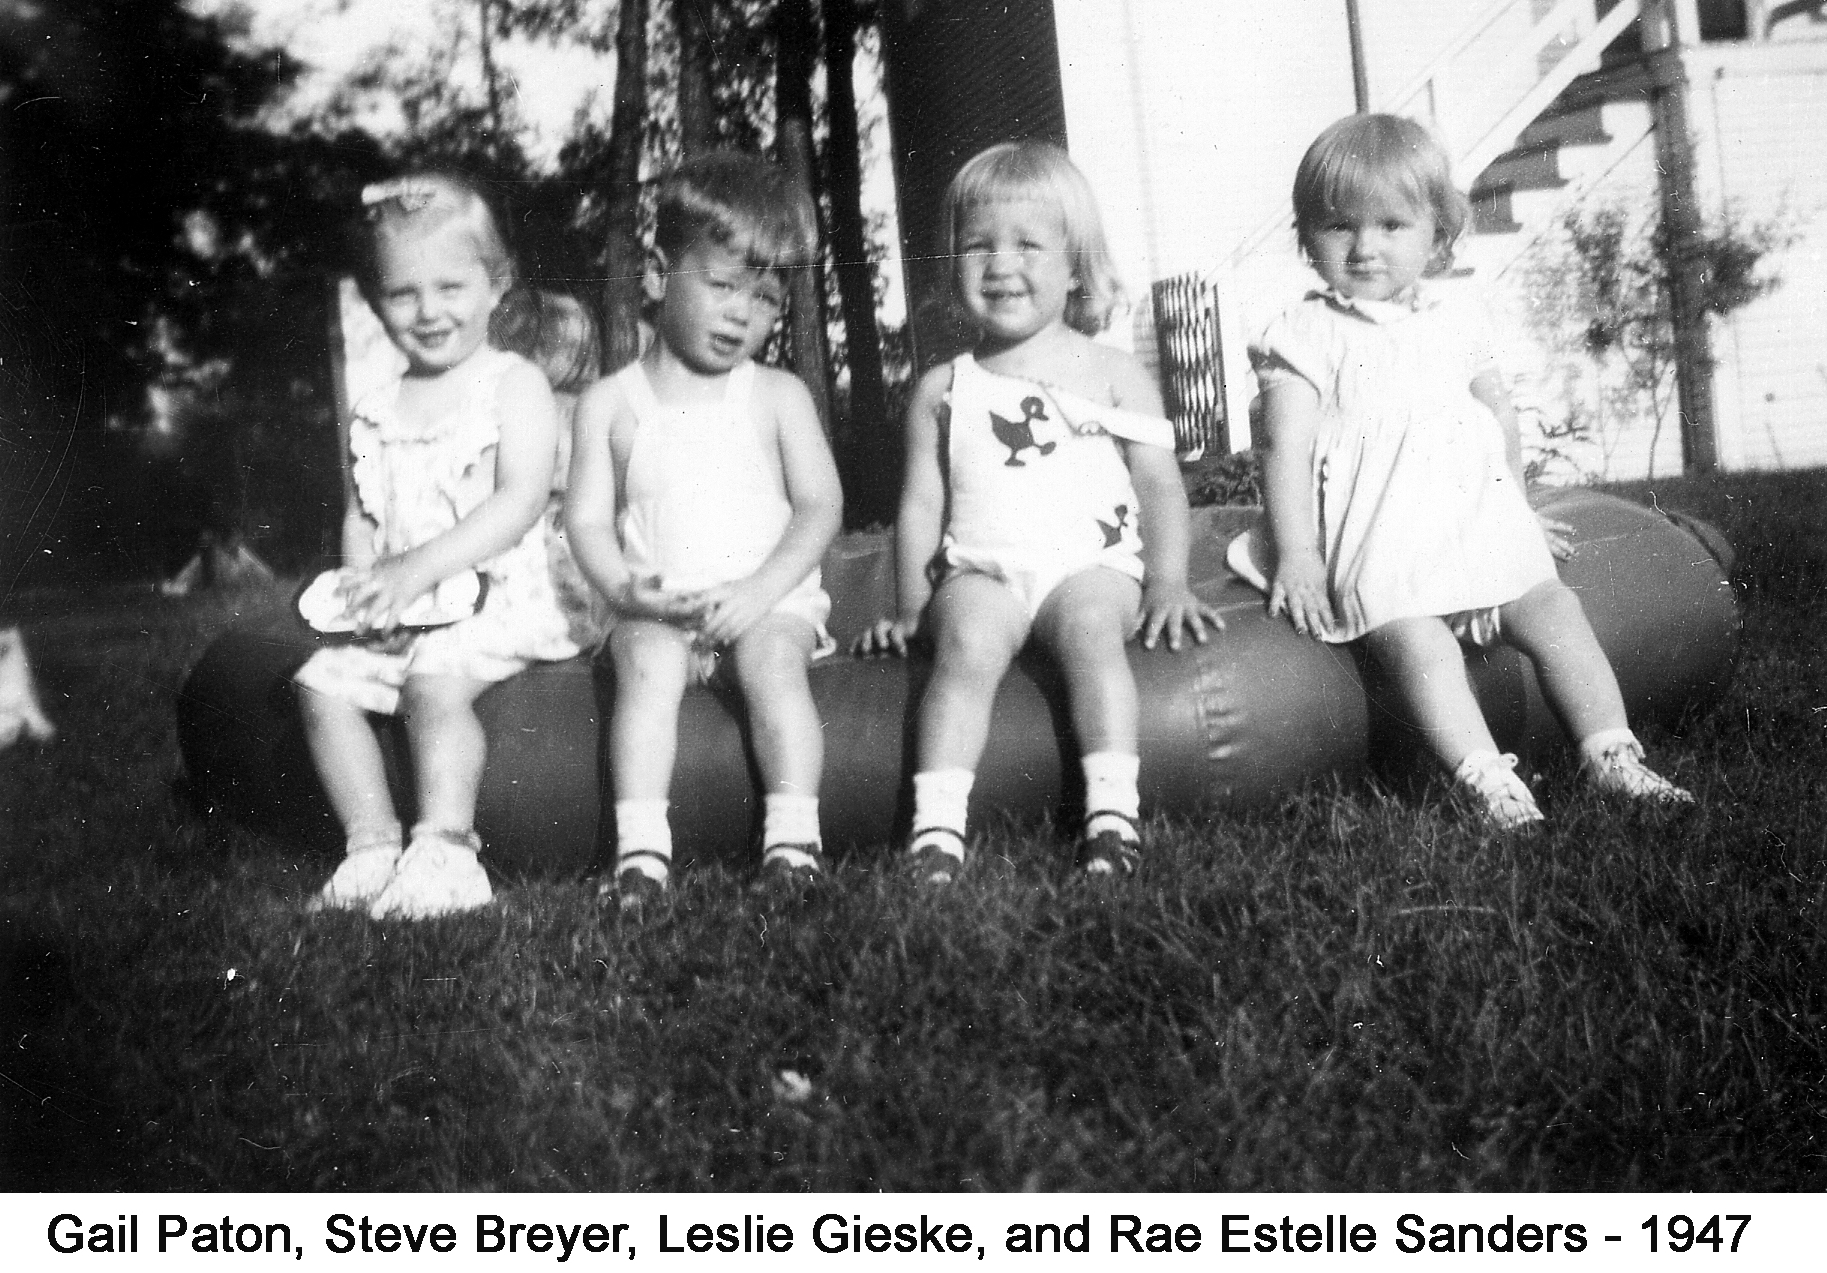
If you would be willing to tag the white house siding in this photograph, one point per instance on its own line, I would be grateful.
(1189, 116)
(1519, 266)
(1760, 117)
(1758, 113)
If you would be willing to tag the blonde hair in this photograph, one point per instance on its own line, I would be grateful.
(419, 203)
(1042, 171)
(1362, 155)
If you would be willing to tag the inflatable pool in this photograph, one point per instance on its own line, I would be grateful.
(1241, 722)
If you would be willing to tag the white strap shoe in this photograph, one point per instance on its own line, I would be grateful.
(439, 874)
(1506, 798)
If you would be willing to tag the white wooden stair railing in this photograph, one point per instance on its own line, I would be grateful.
(1194, 326)
(1423, 96)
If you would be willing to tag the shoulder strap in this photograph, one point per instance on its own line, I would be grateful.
(945, 433)
(634, 382)
(739, 389)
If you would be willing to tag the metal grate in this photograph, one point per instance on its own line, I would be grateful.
(1192, 369)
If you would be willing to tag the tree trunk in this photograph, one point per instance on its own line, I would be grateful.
(869, 450)
(697, 113)
(793, 128)
(491, 77)
(623, 258)
(1681, 227)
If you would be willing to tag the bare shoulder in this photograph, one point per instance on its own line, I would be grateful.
(930, 389)
(1128, 381)
(521, 380)
(781, 390)
(603, 407)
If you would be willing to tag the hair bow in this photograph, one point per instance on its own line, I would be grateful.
(412, 194)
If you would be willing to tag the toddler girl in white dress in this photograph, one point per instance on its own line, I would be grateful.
(1393, 481)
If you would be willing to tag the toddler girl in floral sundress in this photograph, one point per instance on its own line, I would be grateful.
(452, 470)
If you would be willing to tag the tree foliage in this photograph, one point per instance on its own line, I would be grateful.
(139, 197)
(1602, 290)
(166, 248)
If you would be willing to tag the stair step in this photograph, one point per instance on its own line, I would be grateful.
(1492, 214)
(1533, 168)
(1582, 125)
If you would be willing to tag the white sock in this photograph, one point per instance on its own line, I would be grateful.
(643, 838)
(789, 819)
(1594, 746)
(1110, 788)
(941, 799)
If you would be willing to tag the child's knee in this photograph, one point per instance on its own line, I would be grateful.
(649, 652)
(438, 698)
(318, 707)
(774, 655)
(1551, 607)
(966, 647)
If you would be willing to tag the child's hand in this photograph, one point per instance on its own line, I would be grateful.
(646, 598)
(376, 598)
(1170, 610)
(732, 609)
(1300, 592)
(1559, 536)
(887, 636)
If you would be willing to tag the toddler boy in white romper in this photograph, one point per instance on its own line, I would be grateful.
(702, 499)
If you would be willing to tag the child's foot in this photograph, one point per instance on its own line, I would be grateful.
(643, 881)
(360, 878)
(439, 874)
(791, 872)
(1113, 851)
(1504, 798)
(935, 855)
(1619, 769)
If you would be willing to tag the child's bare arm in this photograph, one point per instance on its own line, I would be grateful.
(358, 535)
(1488, 387)
(920, 521)
(1169, 608)
(524, 455)
(817, 500)
(1291, 410)
(590, 514)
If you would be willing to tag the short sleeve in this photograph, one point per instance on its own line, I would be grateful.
(1288, 350)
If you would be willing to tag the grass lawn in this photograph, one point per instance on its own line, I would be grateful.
(1350, 992)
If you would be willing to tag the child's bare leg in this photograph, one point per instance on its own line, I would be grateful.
(440, 874)
(771, 659)
(448, 747)
(348, 760)
(1423, 660)
(354, 776)
(1085, 623)
(977, 626)
(1548, 624)
(652, 665)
